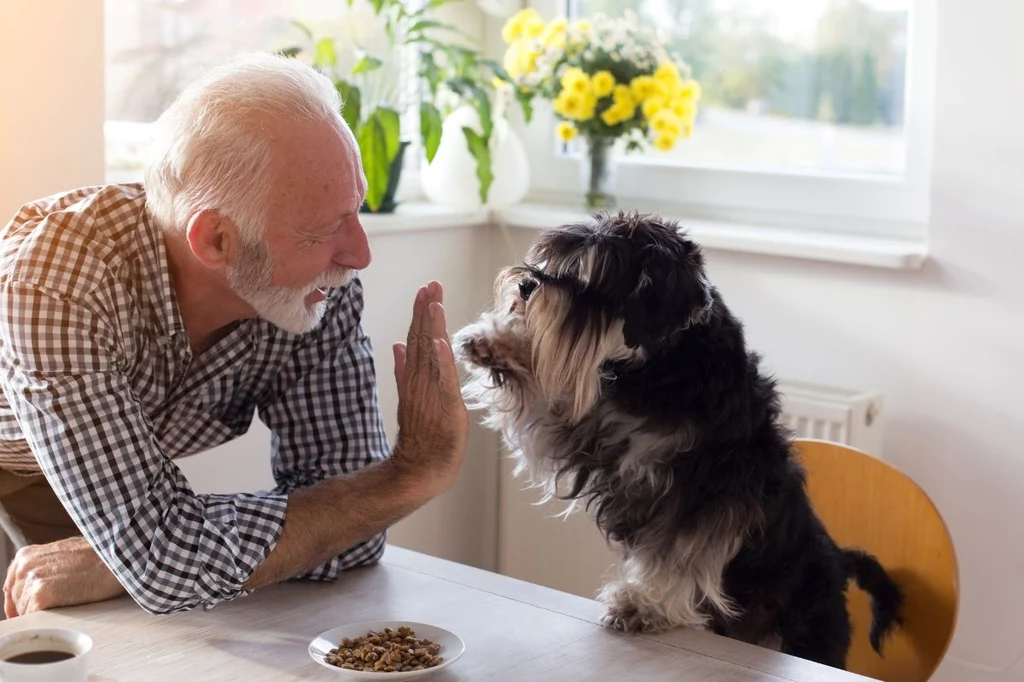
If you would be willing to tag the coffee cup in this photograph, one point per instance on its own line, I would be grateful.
(45, 655)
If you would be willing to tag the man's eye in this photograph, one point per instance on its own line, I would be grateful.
(526, 287)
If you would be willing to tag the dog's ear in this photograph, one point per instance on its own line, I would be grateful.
(672, 294)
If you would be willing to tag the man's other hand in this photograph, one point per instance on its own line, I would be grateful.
(62, 573)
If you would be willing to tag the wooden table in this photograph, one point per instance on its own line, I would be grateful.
(514, 631)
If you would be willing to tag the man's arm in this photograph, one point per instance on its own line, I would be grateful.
(320, 521)
(328, 518)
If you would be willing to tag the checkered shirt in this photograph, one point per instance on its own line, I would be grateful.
(101, 392)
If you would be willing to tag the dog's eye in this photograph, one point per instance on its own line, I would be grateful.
(526, 287)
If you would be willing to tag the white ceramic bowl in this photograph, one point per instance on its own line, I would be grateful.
(451, 648)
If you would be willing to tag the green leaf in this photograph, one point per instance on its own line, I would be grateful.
(390, 121)
(365, 64)
(290, 51)
(479, 147)
(525, 100)
(430, 129)
(378, 5)
(351, 103)
(433, 4)
(325, 54)
(374, 151)
(302, 27)
(497, 68)
(430, 72)
(424, 24)
(477, 97)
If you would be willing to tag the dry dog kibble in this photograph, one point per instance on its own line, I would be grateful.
(387, 651)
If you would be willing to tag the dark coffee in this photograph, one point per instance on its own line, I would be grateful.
(47, 656)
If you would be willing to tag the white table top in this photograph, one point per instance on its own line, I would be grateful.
(513, 631)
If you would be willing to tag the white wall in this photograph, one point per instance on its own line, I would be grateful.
(51, 98)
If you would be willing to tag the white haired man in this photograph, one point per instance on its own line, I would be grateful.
(140, 323)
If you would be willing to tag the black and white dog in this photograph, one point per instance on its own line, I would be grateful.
(621, 381)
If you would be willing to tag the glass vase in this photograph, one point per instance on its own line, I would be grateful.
(598, 174)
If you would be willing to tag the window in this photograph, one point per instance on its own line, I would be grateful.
(155, 47)
(809, 108)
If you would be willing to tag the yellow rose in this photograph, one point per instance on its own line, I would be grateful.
(572, 77)
(566, 131)
(570, 105)
(513, 28)
(624, 94)
(511, 60)
(690, 89)
(652, 106)
(666, 123)
(581, 86)
(667, 72)
(664, 142)
(683, 108)
(554, 33)
(533, 27)
(642, 87)
(561, 104)
(528, 61)
(588, 107)
(613, 115)
(604, 83)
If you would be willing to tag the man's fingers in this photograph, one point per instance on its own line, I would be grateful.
(10, 610)
(438, 321)
(449, 376)
(11, 589)
(418, 312)
(399, 352)
(434, 294)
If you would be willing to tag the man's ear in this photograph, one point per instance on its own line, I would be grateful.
(213, 238)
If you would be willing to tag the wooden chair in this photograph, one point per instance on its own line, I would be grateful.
(869, 504)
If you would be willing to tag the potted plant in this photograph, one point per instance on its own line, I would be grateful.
(361, 60)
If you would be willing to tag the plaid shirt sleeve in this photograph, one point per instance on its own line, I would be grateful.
(62, 357)
(324, 415)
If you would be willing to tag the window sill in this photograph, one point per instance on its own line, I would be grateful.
(849, 249)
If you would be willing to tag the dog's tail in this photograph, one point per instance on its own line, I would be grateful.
(886, 595)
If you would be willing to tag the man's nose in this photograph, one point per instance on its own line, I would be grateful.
(354, 249)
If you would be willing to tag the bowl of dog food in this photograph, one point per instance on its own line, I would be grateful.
(386, 650)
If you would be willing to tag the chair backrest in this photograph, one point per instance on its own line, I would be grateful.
(869, 504)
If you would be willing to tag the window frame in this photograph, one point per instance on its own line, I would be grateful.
(818, 201)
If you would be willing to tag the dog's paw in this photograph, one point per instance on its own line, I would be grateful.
(474, 350)
(624, 619)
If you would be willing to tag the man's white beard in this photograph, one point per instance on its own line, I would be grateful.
(284, 307)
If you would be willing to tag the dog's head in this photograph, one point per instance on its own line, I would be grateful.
(616, 288)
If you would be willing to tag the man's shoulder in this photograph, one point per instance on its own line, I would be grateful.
(65, 241)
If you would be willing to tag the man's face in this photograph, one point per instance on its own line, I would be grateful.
(313, 239)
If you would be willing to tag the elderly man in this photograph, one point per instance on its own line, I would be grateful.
(143, 323)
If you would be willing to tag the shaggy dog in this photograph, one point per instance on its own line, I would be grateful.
(621, 381)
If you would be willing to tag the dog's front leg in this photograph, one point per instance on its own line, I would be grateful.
(651, 595)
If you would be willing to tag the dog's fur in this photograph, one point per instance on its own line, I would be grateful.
(621, 381)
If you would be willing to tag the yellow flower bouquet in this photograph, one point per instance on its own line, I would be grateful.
(607, 79)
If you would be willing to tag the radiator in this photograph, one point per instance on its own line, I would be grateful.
(570, 554)
(841, 415)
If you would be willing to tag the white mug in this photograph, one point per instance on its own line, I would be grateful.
(27, 656)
